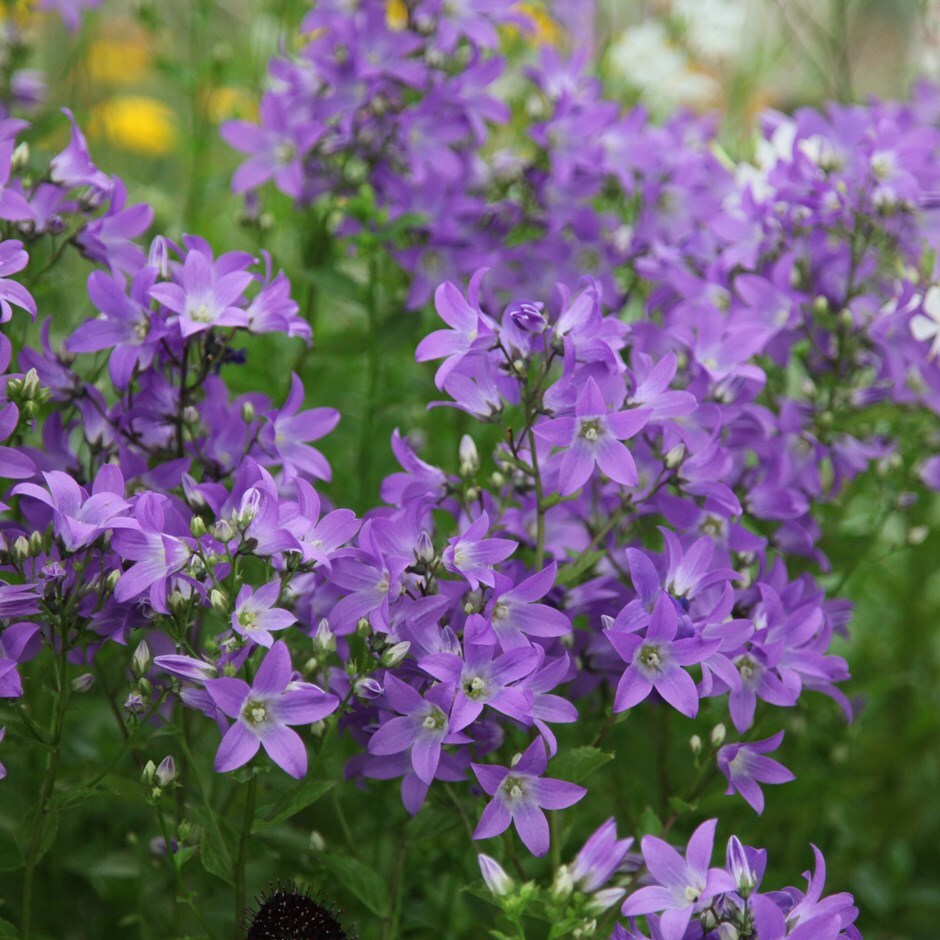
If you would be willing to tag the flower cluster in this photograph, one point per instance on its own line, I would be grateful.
(640, 531)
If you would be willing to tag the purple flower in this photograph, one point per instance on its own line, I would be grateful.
(520, 793)
(156, 553)
(514, 616)
(255, 615)
(746, 768)
(656, 661)
(592, 438)
(470, 328)
(423, 726)
(286, 435)
(481, 680)
(263, 712)
(684, 885)
(78, 518)
(73, 167)
(12, 259)
(207, 292)
(473, 557)
(599, 858)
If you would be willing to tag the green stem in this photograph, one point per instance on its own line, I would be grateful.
(242, 858)
(52, 764)
(539, 505)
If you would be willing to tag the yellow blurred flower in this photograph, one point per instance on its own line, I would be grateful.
(227, 102)
(118, 61)
(136, 123)
(396, 15)
(546, 31)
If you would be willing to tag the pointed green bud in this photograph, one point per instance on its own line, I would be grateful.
(82, 683)
(717, 737)
(146, 776)
(197, 525)
(140, 661)
(395, 655)
(219, 601)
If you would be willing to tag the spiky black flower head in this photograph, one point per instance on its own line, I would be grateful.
(286, 913)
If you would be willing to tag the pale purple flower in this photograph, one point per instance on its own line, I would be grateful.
(684, 885)
(12, 259)
(422, 725)
(287, 434)
(746, 768)
(519, 794)
(656, 662)
(479, 680)
(514, 615)
(599, 858)
(255, 615)
(495, 876)
(78, 519)
(206, 294)
(263, 711)
(592, 438)
(470, 327)
(73, 167)
(473, 556)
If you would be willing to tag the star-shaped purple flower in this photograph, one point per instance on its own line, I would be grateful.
(263, 711)
(746, 768)
(685, 885)
(592, 438)
(520, 793)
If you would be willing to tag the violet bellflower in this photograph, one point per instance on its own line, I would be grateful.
(592, 438)
(264, 710)
(255, 615)
(656, 661)
(520, 794)
(746, 767)
(684, 885)
(422, 725)
(473, 556)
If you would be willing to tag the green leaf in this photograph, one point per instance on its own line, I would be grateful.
(365, 883)
(679, 806)
(308, 792)
(570, 573)
(215, 858)
(8, 931)
(578, 764)
(49, 825)
(649, 824)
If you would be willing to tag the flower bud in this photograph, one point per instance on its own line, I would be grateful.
(695, 743)
(197, 525)
(367, 688)
(495, 876)
(140, 661)
(144, 686)
(19, 161)
(316, 842)
(185, 830)
(159, 256)
(424, 549)
(318, 728)
(35, 543)
(176, 601)
(718, 735)
(563, 883)
(324, 641)
(112, 579)
(364, 628)
(31, 384)
(218, 600)
(223, 531)
(469, 458)
(166, 773)
(497, 479)
(82, 683)
(674, 456)
(917, 534)
(146, 776)
(394, 655)
(248, 412)
(585, 930)
(21, 549)
(472, 494)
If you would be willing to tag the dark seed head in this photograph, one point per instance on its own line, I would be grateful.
(285, 913)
